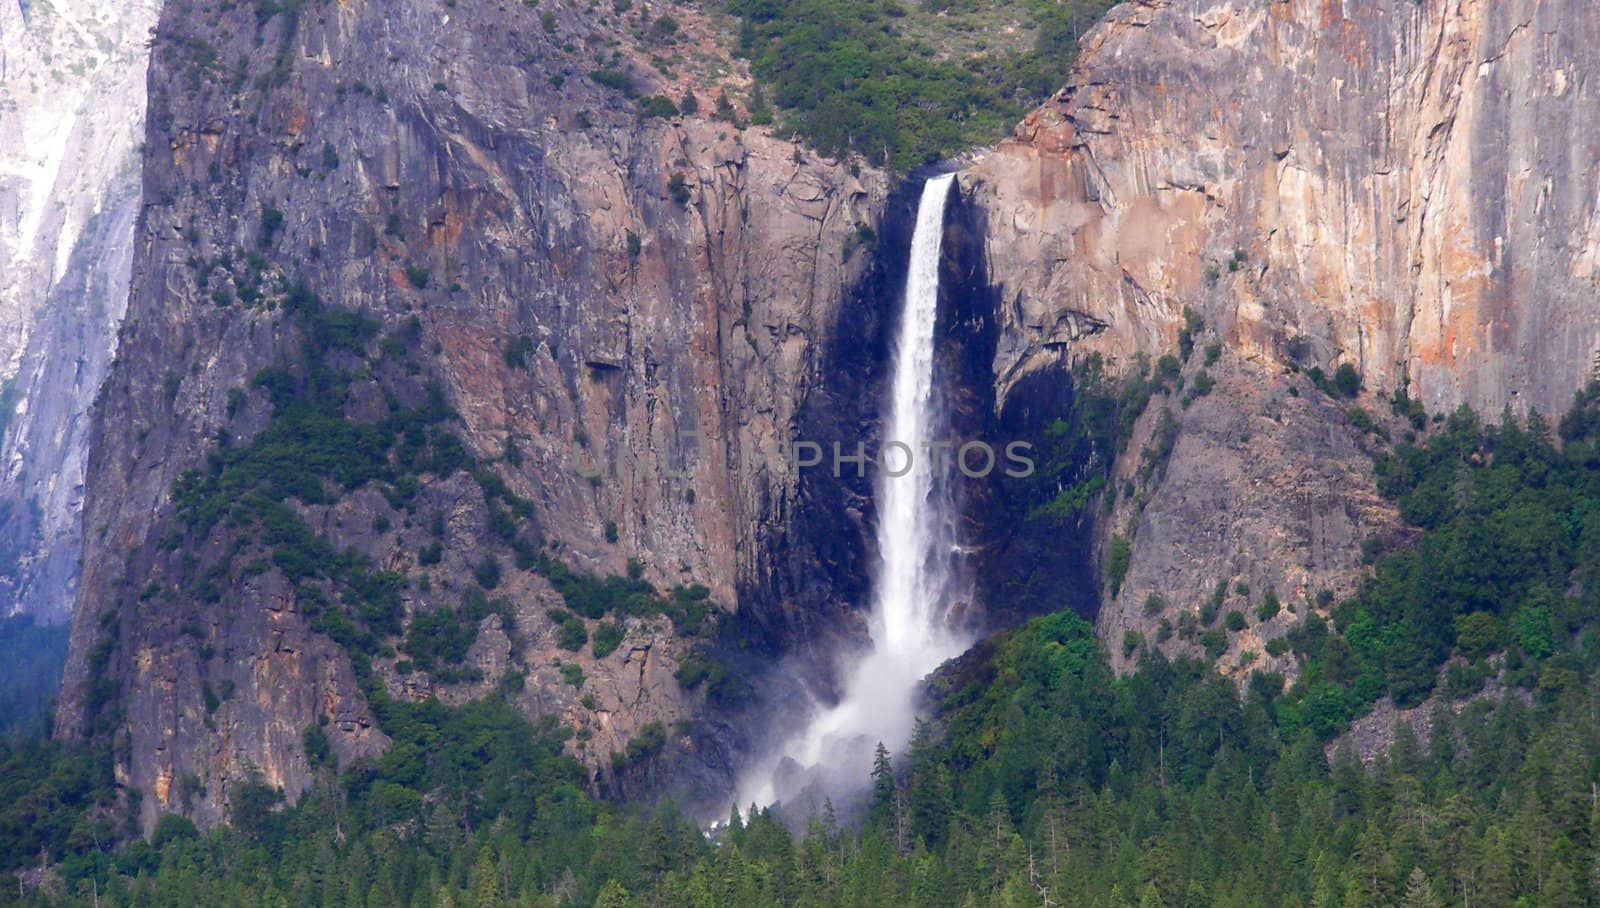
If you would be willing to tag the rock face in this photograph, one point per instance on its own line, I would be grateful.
(1408, 187)
(72, 88)
(1260, 492)
(627, 313)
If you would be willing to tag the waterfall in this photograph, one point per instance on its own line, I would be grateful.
(832, 754)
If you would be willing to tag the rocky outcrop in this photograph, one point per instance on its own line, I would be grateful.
(626, 312)
(1407, 187)
(1254, 498)
(72, 88)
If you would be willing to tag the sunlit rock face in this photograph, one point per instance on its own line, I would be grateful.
(1411, 187)
(72, 98)
(1407, 187)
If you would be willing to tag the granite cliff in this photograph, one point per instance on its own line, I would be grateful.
(1408, 188)
(555, 293)
(72, 103)
(613, 309)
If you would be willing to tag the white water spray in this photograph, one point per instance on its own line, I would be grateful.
(910, 636)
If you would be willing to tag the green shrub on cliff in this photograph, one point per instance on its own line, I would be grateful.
(1117, 558)
(572, 634)
(849, 75)
(657, 106)
(607, 637)
(438, 641)
(1346, 380)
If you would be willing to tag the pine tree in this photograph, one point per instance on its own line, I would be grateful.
(443, 829)
(999, 836)
(1419, 892)
(931, 796)
(655, 853)
(881, 813)
(613, 895)
(1157, 866)
(485, 883)
(1496, 877)
(1370, 866)
(1561, 888)
(932, 802)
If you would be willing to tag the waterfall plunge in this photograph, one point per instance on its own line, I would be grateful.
(910, 638)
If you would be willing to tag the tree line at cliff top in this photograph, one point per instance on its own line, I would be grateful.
(854, 76)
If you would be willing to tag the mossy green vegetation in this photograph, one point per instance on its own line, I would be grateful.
(1504, 573)
(1075, 452)
(865, 76)
(437, 641)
